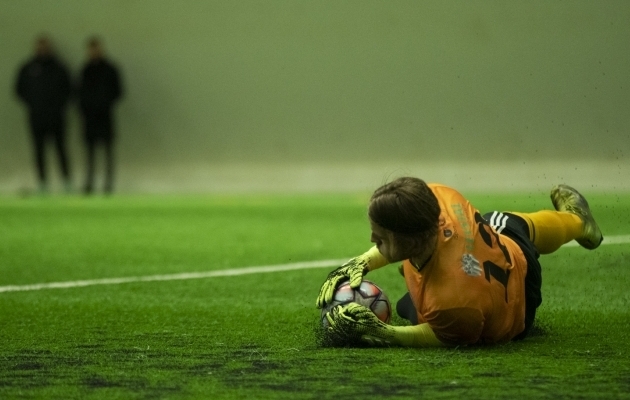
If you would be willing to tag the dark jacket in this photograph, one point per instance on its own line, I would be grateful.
(44, 85)
(99, 88)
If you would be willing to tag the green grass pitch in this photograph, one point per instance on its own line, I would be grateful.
(252, 336)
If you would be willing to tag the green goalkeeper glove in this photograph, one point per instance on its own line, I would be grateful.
(353, 270)
(355, 322)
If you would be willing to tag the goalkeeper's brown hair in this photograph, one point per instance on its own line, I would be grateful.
(408, 208)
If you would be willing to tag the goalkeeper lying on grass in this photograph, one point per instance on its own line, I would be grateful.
(471, 279)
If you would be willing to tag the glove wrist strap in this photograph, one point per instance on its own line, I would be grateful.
(373, 259)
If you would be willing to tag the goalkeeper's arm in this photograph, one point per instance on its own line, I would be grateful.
(415, 336)
(373, 259)
(356, 321)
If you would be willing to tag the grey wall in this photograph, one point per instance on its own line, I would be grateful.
(318, 81)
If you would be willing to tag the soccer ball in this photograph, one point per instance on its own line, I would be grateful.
(367, 294)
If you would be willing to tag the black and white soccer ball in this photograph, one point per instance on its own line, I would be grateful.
(367, 294)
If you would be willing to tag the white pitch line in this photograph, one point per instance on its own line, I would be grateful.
(174, 277)
(621, 239)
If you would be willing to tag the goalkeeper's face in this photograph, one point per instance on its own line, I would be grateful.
(388, 246)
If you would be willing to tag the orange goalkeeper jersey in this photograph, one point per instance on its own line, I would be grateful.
(472, 290)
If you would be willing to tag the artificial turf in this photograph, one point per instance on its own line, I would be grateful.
(253, 336)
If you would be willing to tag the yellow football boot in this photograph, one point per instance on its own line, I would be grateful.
(567, 199)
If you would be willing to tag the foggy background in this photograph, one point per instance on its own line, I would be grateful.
(230, 96)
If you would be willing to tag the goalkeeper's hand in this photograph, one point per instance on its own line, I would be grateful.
(353, 270)
(354, 322)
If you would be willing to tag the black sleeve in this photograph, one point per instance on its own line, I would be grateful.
(116, 84)
(20, 84)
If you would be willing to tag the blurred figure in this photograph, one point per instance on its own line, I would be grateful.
(43, 84)
(99, 89)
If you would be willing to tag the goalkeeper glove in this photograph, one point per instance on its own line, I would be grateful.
(355, 322)
(353, 270)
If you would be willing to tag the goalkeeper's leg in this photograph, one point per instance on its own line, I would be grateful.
(573, 220)
(405, 309)
(549, 230)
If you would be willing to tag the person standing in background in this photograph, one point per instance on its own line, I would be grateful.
(43, 84)
(99, 89)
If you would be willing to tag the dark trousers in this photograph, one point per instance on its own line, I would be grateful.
(108, 146)
(43, 129)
